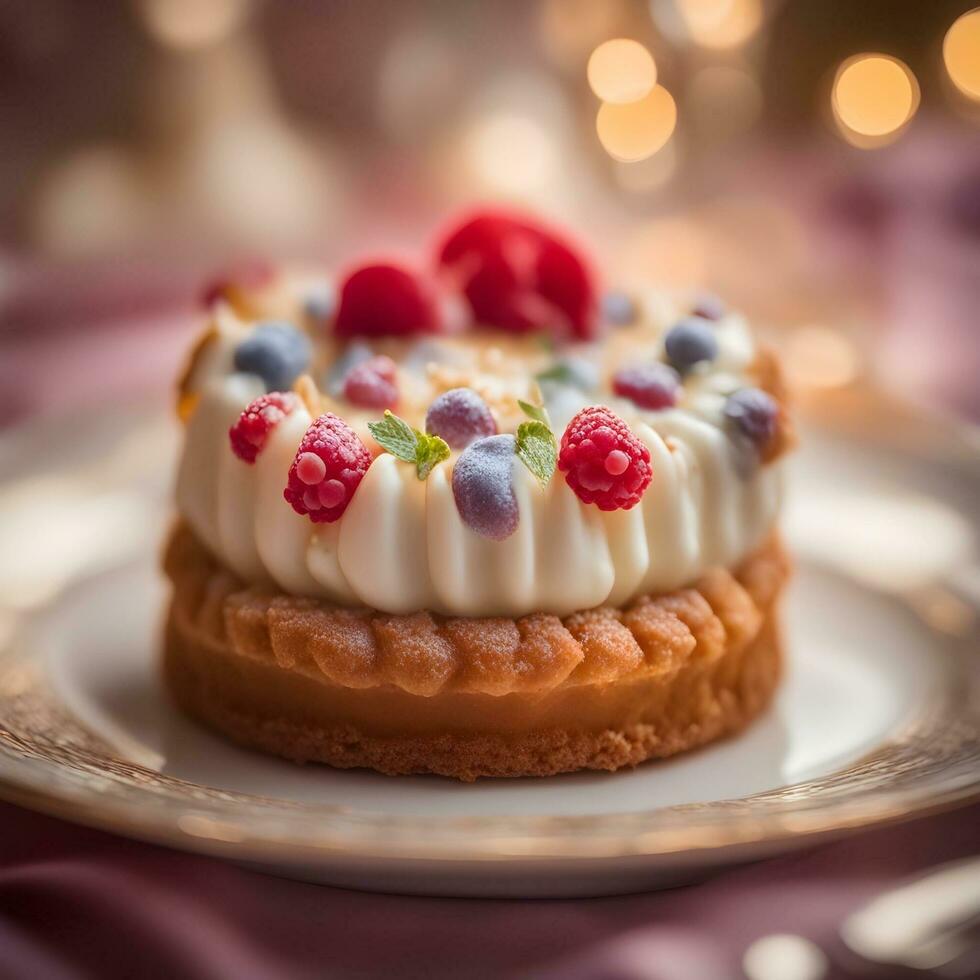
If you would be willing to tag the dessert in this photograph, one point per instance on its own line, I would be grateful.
(470, 518)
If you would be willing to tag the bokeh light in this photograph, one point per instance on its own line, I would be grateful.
(510, 152)
(961, 53)
(637, 130)
(188, 24)
(716, 23)
(874, 97)
(621, 71)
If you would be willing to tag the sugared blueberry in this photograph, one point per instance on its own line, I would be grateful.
(651, 386)
(708, 307)
(519, 276)
(690, 342)
(619, 308)
(603, 462)
(483, 487)
(753, 415)
(372, 384)
(277, 352)
(383, 299)
(251, 432)
(459, 416)
(329, 465)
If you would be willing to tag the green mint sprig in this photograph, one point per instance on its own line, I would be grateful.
(405, 443)
(536, 446)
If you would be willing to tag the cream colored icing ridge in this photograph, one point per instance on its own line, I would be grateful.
(401, 546)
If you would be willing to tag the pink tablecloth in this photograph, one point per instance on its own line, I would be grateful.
(79, 903)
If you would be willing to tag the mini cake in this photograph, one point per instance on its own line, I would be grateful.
(471, 519)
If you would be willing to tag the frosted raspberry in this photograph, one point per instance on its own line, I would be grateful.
(386, 300)
(249, 434)
(329, 465)
(519, 276)
(603, 462)
(372, 383)
(651, 386)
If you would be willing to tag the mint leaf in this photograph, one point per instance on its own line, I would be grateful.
(535, 412)
(537, 449)
(395, 435)
(429, 451)
(408, 444)
(559, 372)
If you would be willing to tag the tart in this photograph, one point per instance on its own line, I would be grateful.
(472, 518)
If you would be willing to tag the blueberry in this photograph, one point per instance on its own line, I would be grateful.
(690, 342)
(459, 416)
(619, 308)
(277, 352)
(752, 413)
(483, 487)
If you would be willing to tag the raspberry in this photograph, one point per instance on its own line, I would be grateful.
(603, 462)
(651, 386)
(329, 464)
(708, 307)
(518, 276)
(249, 434)
(382, 300)
(371, 384)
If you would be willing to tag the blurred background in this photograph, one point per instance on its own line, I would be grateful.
(817, 162)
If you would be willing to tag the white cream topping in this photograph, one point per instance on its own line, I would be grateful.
(401, 545)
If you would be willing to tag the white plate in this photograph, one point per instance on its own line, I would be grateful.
(877, 719)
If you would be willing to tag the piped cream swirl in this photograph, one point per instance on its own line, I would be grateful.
(401, 545)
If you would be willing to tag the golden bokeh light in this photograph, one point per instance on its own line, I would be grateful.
(189, 24)
(637, 130)
(873, 98)
(720, 23)
(621, 71)
(510, 152)
(961, 53)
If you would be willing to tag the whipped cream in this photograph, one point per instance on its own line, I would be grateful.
(401, 545)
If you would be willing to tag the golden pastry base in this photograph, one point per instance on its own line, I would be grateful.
(466, 697)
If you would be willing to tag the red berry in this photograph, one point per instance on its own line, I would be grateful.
(520, 276)
(372, 384)
(329, 464)
(382, 300)
(651, 386)
(245, 275)
(250, 433)
(603, 462)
